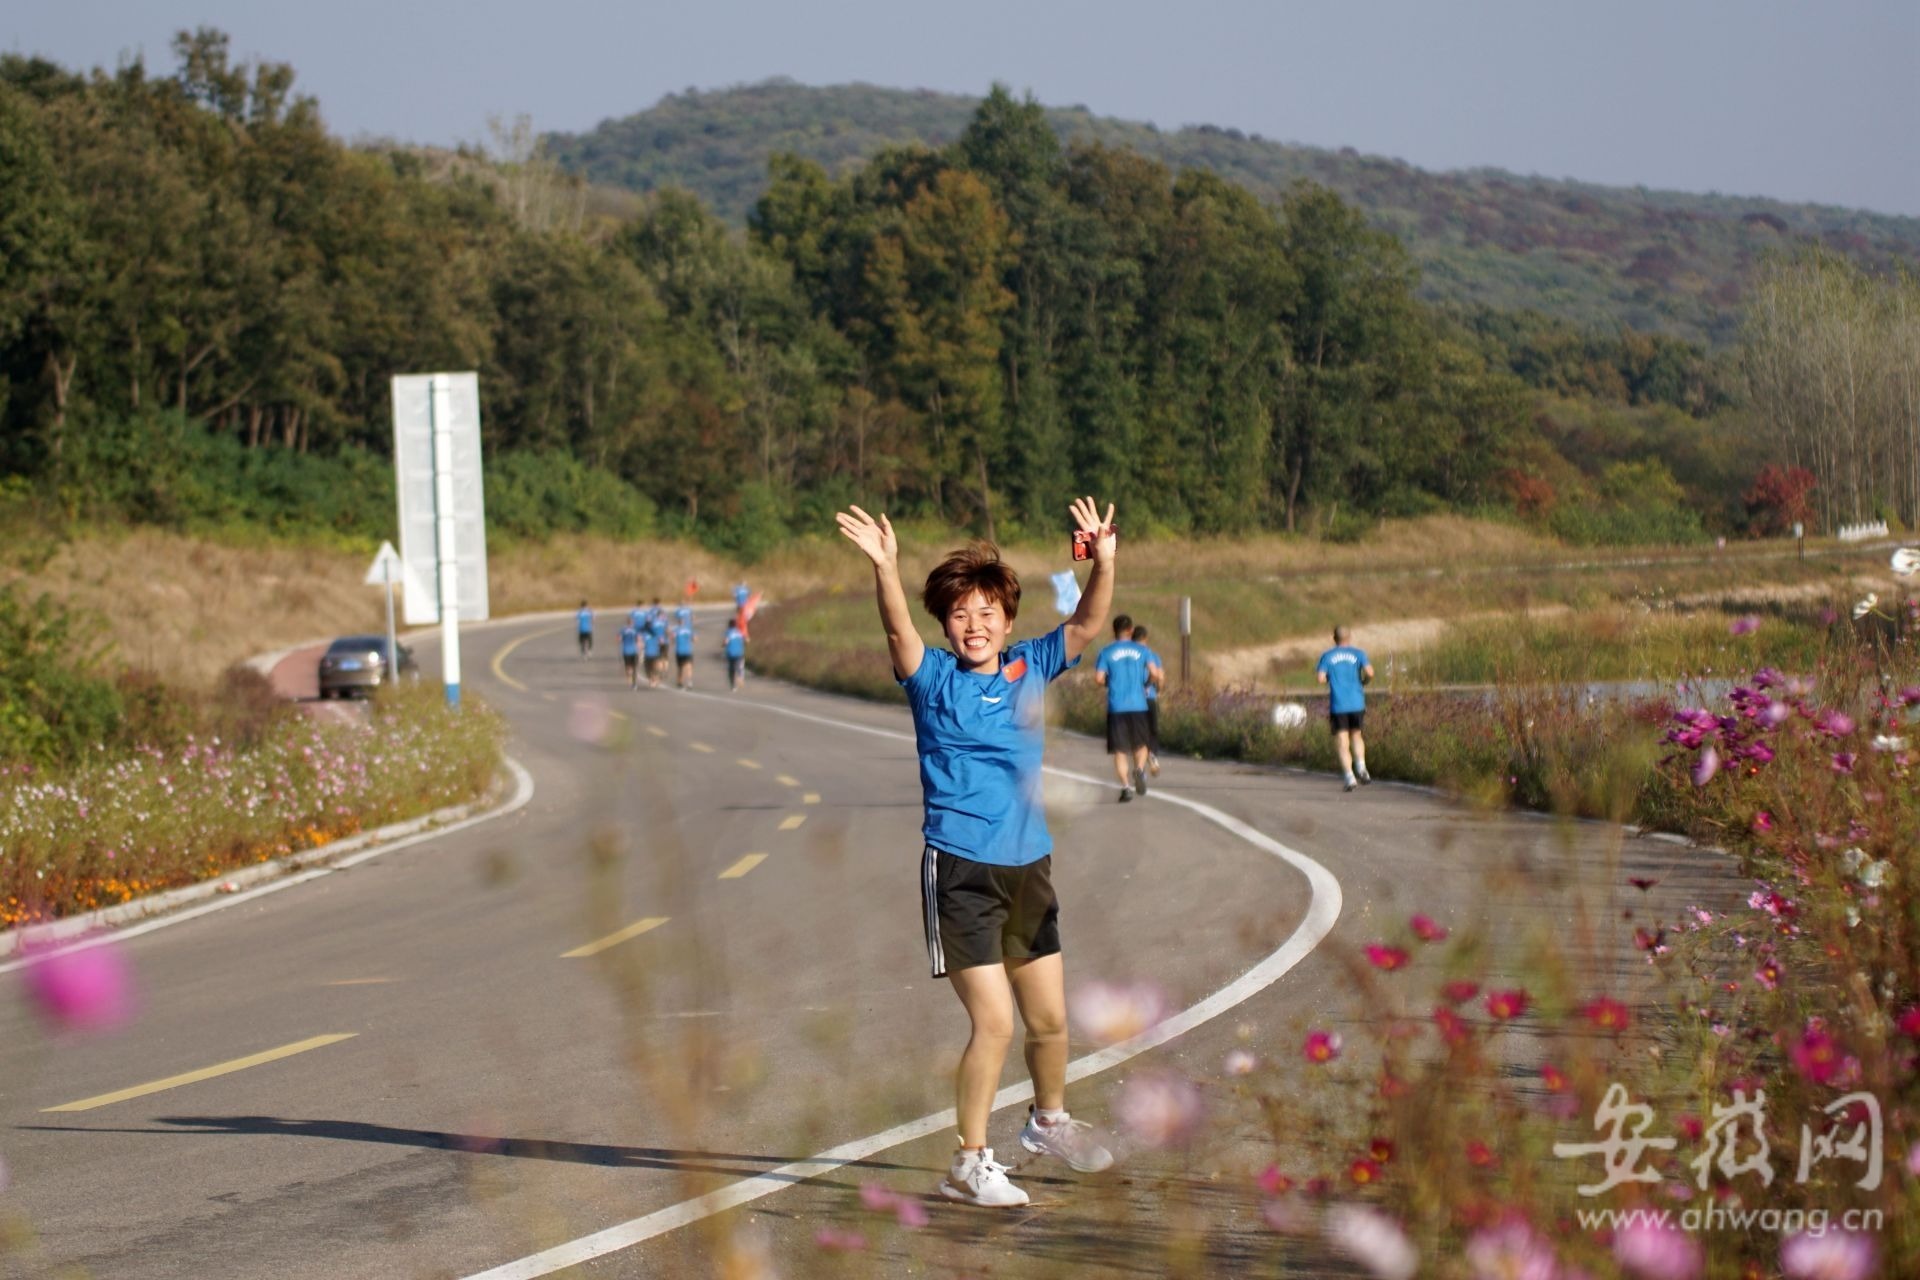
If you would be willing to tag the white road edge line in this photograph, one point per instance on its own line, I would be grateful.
(1322, 912)
(522, 793)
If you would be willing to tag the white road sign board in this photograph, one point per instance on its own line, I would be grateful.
(413, 427)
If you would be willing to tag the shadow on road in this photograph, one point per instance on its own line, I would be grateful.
(726, 1163)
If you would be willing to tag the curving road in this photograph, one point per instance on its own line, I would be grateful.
(693, 964)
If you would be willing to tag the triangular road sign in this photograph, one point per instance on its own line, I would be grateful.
(385, 568)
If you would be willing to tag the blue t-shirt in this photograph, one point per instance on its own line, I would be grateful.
(637, 616)
(740, 594)
(1125, 665)
(980, 739)
(683, 641)
(683, 615)
(1342, 667)
(629, 641)
(654, 642)
(586, 622)
(1153, 691)
(736, 643)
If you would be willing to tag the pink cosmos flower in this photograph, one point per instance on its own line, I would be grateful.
(1829, 1255)
(1913, 1161)
(1511, 1251)
(1381, 1150)
(1653, 1250)
(1459, 991)
(1836, 724)
(1705, 766)
(1372, 1239)
(1605, 1013)
(1239, 1063)
(1768, 975)
(1382, 956)
(1743, 626)
(1273, 1182)
(84, 988)
(1452, 1028)
(1480, 1155)
(1843, 761)
(1909, 1022)
(1553, 1078)
(839, 1240)
(1507, 1004)
(1159, 1110)
(910, 1213)
(1112, 1012)
(1321, 1046)
(1816, 1054)
(1763, 822)
(1427, 929)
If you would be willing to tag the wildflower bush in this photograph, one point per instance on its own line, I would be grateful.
(1727, 1095)
(174, 812)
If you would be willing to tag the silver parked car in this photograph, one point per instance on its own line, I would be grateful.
(359, 663)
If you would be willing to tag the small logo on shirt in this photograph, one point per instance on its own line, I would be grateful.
(985, 698)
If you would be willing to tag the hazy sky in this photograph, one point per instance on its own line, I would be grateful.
(1800, 99)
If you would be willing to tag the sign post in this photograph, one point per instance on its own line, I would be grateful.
(443, 532)
(1186, 639)
(386, 563)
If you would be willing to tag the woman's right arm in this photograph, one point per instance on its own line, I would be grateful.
(876, 539)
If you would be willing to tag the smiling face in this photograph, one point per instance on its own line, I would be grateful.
(977, 628)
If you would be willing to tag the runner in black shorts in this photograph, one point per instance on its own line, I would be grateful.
(989, 911)
(1344, 670)
(1157, 677)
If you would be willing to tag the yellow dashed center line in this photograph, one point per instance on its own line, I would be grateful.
(743, 866)
(812, 797)
(656, 731)
(792, 821)
(785, 781)
(745, 763)
(617, 715)
(701, 747)
(614, 939)
(205, 1073)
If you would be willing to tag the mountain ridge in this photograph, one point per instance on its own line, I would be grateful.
(1600, 255)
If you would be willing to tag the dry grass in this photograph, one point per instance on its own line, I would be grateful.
(189, 607)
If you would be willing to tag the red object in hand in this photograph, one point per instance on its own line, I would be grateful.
(1083, 541)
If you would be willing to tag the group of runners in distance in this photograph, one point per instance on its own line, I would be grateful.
(646, 636)
(988, 907)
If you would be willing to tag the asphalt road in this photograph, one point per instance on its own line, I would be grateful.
(758, 994)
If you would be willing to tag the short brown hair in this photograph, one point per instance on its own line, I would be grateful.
(976, 567)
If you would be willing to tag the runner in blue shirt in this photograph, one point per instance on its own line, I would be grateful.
(584, 619)
(1153, 701)
(736, 655)
(1125, 672)
(740, 594)
(637, 615)
(1344, 669)
(653, 636)
(630, 653)
(986, 887)
(683, 613)
(683, 651)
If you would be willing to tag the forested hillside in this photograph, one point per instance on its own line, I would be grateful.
(203, 296)
(1651, 260)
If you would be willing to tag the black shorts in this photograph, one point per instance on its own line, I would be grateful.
(631, 661)
(1346, 721)
(734, 667)
(685, 660)
(1128, 731)
(586, 640)
(977, 913)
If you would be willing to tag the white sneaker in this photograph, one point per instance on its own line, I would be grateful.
(1366, 779)
(976, 1179)
(1153, 765)
(1072, 1140)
